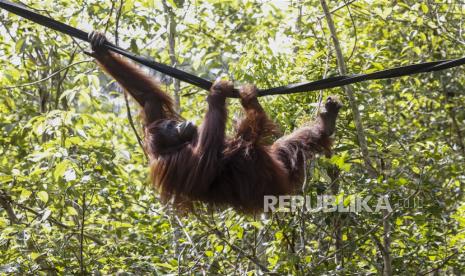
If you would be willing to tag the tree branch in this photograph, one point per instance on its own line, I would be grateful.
(239, 250)
(349, 92)
(48, 77)
(58, 223)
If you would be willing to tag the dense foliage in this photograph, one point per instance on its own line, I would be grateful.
(74, 189)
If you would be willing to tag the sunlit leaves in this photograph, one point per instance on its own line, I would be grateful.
(25, 194)
(43, 196)
(341, 161)
(61, 169)
(71, 211)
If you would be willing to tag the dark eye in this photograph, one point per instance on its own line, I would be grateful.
(170, 125)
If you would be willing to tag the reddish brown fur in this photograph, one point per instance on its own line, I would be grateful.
(212, 168)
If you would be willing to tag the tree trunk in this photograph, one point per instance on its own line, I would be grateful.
(387, 260)
(171, 27)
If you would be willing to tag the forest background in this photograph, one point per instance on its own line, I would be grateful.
(74, 187)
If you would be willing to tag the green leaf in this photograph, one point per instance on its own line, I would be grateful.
(60, 169)
(424, 8)
(34, 255)
(19, 45)
(43, 196)
(256, 224)
(172, 3)
(402, 181)
(386, 12)
(71, 211)
(273, 260)
(5, 178)
(25, 194)
(339, 161)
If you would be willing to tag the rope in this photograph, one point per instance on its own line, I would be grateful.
(63, 28)
(206, 84)
(345, 80)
